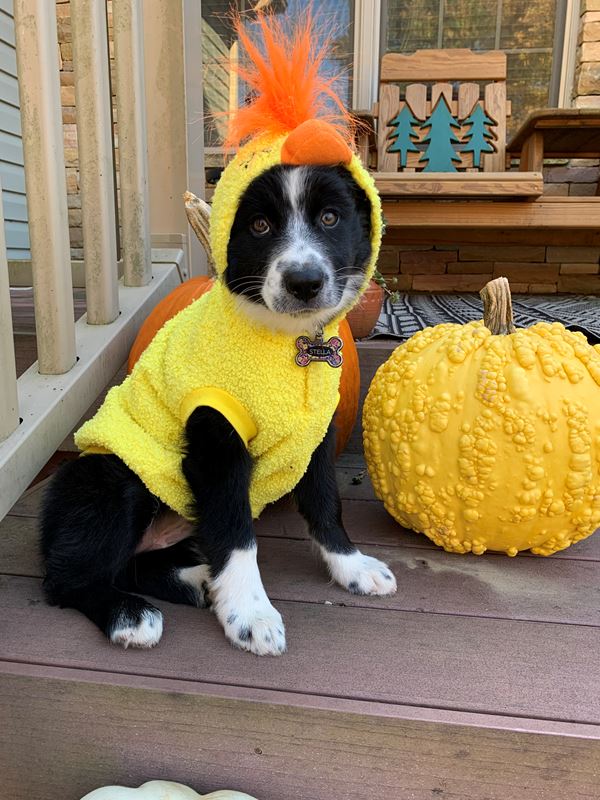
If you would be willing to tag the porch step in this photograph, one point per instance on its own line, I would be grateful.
(479, 679)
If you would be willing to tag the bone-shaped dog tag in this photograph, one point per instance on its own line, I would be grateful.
(318, 350)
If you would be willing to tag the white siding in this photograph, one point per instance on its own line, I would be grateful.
(11, 151)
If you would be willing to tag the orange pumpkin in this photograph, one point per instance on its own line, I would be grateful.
(182, 296)
(345, 415)
(170, 305)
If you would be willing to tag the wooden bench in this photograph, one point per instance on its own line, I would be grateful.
(556, 133)
(467, 92)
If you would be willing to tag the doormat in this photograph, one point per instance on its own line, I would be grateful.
(413, 312)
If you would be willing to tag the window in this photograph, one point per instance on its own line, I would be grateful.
(222, 88)
(529, 31)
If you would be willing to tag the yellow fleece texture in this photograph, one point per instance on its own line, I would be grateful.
(141, 422)
(213, 345)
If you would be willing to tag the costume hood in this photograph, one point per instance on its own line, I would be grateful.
(287, 122)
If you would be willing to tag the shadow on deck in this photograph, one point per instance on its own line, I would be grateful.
(479, 679)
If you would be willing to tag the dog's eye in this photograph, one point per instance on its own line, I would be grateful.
(260, 226)
(329, 218)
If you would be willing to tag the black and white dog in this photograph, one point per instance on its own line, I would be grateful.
(297, 256)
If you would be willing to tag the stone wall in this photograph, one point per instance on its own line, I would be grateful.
(534, 262)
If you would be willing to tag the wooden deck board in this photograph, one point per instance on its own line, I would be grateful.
(525, 669)
(430, 581)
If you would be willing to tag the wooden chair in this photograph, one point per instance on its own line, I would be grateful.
(441, 128)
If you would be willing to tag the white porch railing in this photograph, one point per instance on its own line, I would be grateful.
(76, 360)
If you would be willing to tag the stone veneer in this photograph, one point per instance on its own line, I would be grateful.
(438, 260)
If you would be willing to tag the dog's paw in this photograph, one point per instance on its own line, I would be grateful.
(258, 628)
(197, 581)
(137, 628)
(360, 574)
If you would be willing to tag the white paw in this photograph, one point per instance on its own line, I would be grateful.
(144, 630)
(360, 574)
(243, 608)
(258, 629)
(198, 579)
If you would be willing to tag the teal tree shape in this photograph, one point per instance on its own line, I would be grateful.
(479, 138)
(440, 154)
(403, 133)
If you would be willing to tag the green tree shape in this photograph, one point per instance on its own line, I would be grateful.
(479, 138)
(440, 153)
(403, 134)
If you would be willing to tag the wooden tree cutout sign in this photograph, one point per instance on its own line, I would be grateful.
(404, 134)
(479, 138)
(443, 147)
(440, 154)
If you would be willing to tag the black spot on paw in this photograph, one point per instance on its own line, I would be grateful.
(353, 587)
(386, 575)
(245, 634)
(231, 619)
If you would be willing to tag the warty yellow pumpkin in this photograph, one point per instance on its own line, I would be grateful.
(483, 436)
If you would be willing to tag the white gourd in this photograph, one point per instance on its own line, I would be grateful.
(162, 790)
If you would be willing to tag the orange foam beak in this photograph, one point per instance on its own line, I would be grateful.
(317, 143)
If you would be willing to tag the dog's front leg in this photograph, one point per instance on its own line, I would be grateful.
(319, 503)
(217, 467)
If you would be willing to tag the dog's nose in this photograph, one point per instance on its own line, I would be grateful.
(304, 282)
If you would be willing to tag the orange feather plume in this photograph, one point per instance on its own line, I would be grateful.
(286, 83)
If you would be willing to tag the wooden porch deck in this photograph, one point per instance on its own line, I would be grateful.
(480, 679)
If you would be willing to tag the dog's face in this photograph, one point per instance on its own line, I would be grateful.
(299, 246)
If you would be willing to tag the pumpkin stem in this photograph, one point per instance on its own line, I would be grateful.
(198, 214)
(497, 307)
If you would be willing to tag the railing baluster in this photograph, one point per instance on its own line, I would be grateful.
(9, 411)
(133, 147)
(92, 100)
(37, 66)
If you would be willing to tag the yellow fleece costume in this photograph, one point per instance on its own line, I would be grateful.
(212, 354)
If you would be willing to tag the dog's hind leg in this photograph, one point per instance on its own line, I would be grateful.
(95, 513)
(319, 503)
(177, 574)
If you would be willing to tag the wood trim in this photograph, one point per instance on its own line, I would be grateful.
(550, 213)
(367, 28)
(444, 65)
(569, 54)
(460, 184)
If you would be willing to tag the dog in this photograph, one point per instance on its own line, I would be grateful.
(296, 258)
